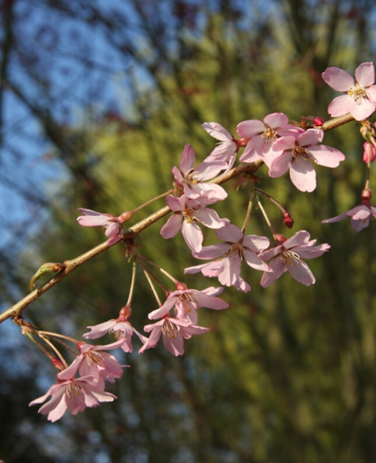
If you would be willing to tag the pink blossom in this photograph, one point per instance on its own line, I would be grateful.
(296, 153)
(188, 301)
(120, 327)
(360, 216)
(93, 362)
(369, 152)
(188, 213)
(360, 93)
(287, 256)
(111, 224)
(236, 248)
(227, 149)
(262, 135)
(74, 394)
(173, 331)
(191, 179)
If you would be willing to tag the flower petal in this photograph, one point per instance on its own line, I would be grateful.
(365, 74)
(326, 155)
(188, 158)
(172, 226)
(192, 235)
(341, 105)
(276, 120)
(248, 129)
(311, 137)
(277, 268)
(281, 164)
(338, 79)
(230, 233)
(303, 175)
(363, 110)
(300, 271)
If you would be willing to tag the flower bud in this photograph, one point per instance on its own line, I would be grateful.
(242, 142)
(125, 216)
(181, 286)
(318, 121)
(369, 152)
(366, 195)
(288, 220)
(279, 239)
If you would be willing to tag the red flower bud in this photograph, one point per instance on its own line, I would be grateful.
(288, 220)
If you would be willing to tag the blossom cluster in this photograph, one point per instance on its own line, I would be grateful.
(282, 146)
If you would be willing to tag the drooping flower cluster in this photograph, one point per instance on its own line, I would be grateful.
(282, 146)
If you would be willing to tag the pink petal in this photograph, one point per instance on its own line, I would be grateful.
(230, 233)
(211, 190)
(209, 218)
(371, 91)
(172, 226)
(174, 345)
(281, 164)
(270, 253)
(362, 110)
(358, 225)
(152, 340)
(277, 270)
(176, 204)
(359, 213)
(70, 372)
(192, 235)
(341, 105)
(177, 175)
(335, 219)
(365, 74)
(299, 239)
(210, 302)
(93, 221)
(248, 129)
(188, 158)
(312, 252)
(256, 243)
(254, 149)
(164, 309)
(284, 143)
(100, 330)
(254, 261)
(242, 285)
(311, 137)
(338, 79)
(217, 131)
(213, 251)
(230, 270)
(276, 120)
(326, 155)
(208, 170)
(303, 175)
(300, 271)
(223, 152)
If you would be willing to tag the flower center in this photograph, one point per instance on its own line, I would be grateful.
(269, 135)
(93, 358)
(358, 93)
(188, 215)
(289, 257)
(169, 329)
(237, 247)
(74, 390)
(190, 177)
(299, 151)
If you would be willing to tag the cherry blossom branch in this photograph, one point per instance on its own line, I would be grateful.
(70, 265)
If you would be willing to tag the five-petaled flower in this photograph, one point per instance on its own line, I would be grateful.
(173, 331)
(236, 248)
(360, 93)
(287, 256)
(110, 223)
(193, 179)
(74, 394)
(297, 152)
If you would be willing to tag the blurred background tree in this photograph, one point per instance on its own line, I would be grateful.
(97, 100)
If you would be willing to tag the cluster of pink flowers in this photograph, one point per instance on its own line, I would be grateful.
(282, 146)
(75, 394)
